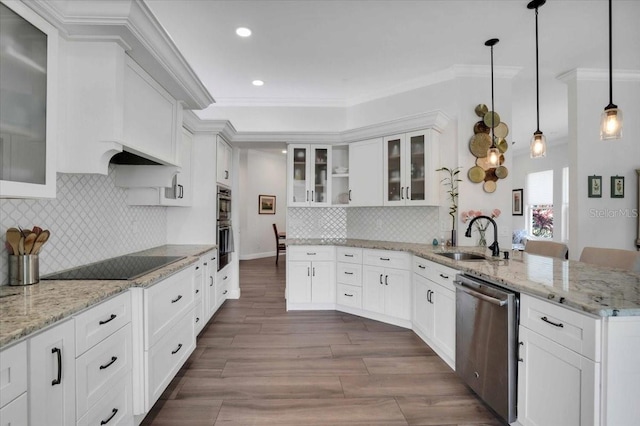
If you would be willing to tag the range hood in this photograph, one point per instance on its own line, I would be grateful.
(129, 158)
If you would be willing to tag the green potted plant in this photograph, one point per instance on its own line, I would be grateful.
(451, 183)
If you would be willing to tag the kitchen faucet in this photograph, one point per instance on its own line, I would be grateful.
(495, 248)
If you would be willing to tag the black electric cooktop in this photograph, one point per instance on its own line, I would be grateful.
(118, 268)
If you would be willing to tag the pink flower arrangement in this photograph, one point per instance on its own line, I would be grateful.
(481, 227)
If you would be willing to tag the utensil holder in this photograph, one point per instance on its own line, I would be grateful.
(24, 270)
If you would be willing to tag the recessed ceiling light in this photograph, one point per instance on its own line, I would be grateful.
(257, 83)
(243, 32)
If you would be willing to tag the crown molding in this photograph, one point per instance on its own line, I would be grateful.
(132, 24)
(436, 120)
(280, 102)
(485, 71)
(590, 74)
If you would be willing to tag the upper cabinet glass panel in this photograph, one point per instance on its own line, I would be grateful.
(417, 147)
(299, 175)
(319, 194)
(394, 169)
(23, 99)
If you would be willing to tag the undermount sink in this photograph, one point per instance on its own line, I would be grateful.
(462, 256)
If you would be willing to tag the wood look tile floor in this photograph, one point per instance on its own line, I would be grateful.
(256, 364)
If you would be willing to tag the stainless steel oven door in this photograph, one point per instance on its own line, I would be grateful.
(224, 207)
(225, 243)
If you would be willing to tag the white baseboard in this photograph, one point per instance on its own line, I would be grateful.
(258, 255)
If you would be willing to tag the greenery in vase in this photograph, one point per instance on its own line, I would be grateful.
(451, 183)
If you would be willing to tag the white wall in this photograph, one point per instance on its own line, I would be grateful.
(261, 173)
(602, 222)
(557, 158)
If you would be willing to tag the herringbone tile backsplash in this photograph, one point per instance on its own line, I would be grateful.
(89, 221)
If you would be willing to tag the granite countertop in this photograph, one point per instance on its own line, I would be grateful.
(26, 309)
(588, 288)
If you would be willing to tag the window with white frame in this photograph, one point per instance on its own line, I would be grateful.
(540, 204)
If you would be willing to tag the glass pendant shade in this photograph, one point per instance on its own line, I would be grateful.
(611, 124)
(493, 157)
(538, 145)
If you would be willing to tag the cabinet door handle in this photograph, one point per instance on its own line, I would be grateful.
(348, 273)
(422, 267)
(313, 272)
(428, 296)
(197, 267)
(311, 254)
(177, 349)
(312, 195)
(348, 295)
(380, 279)
(225, 292)
(307, 195)
(402, 192)
(225, 277)
(108, 364)
(386, 280)
(308, 271)
(205, 263)
(58, 380)
(213, 258)
(211, 279)
(408, 194)
(107, 420)
(349, 195)
(556, 324)
(446, 277)
(181, 191)
(177, 298)
(111, 318)
(226, 174)
(348, 255)
(197, 320)
(197, 291)
(385, 259)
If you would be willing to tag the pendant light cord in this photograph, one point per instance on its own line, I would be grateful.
(493, 111)
(538, 79)
(610, 59)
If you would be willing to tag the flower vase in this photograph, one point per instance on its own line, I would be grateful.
(454, 238)
(482, 241)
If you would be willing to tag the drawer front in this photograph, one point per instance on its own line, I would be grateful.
(349, 255)
(442, 275)
(223, 283)
(15, 413)
(387, 259)
(114, 408)
(101, 321)
(13, 373)
(101, 367)
(573, 330)
(348, 273)
(311, 253)
(199, 316)
(165, 302)
(349, 295)
(422, 267)
(165, 358)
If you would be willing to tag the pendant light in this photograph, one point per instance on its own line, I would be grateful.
(493, 154)
(611, 119)
(538, 147)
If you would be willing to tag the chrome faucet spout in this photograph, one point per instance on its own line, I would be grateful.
(495, 248)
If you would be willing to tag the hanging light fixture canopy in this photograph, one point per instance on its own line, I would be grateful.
(538, 146)
(611, 118)
(492, 119)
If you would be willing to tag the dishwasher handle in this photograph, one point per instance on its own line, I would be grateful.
(460, 285)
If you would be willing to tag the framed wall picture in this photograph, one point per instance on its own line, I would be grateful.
(595, 186)
(266, 204)
(516, 202)
(617, 186)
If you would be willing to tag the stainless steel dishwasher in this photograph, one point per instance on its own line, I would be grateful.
(486, 342)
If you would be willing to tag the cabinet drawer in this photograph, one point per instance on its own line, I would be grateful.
(311, 253)
(167, 356)
(349, 255)
(422, 267)
(223, 282)
(198, 317)
(442, 275)
(387, 259)
(101, 321)
(348, 273)
(114, 408)
(15, 413)
(349, 295)
(165, 302)
(573, 330)
(101, 367)
(13, 372)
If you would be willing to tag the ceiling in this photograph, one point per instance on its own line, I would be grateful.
(341, 53)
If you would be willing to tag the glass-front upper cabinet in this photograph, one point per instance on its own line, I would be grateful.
(409, 169)
(28, 68)
(309, 181)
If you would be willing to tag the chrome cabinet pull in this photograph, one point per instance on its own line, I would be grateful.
(58, 380)
(108, 364)
(177, 349)
(111, 318)
(113, 413)
(177, 298)
(556, 324)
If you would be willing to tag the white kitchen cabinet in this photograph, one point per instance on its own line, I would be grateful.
(410, 161)
(28, 105)
(308, 171)
(13, 385)
(114, 408)
(365, 173)
(198, 296)
(52, 378)
(181, 192)
(558, 375)
(339, 172)
(386, 284)
(224, 161)
(311, 277)
(210, 263)
(224, 278)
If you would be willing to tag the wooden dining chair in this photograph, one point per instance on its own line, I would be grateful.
(547, 248)
(612, 258)
(280, 245)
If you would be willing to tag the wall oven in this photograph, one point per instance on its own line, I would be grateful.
(224, 238)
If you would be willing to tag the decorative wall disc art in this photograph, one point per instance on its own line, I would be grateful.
(480, 143)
